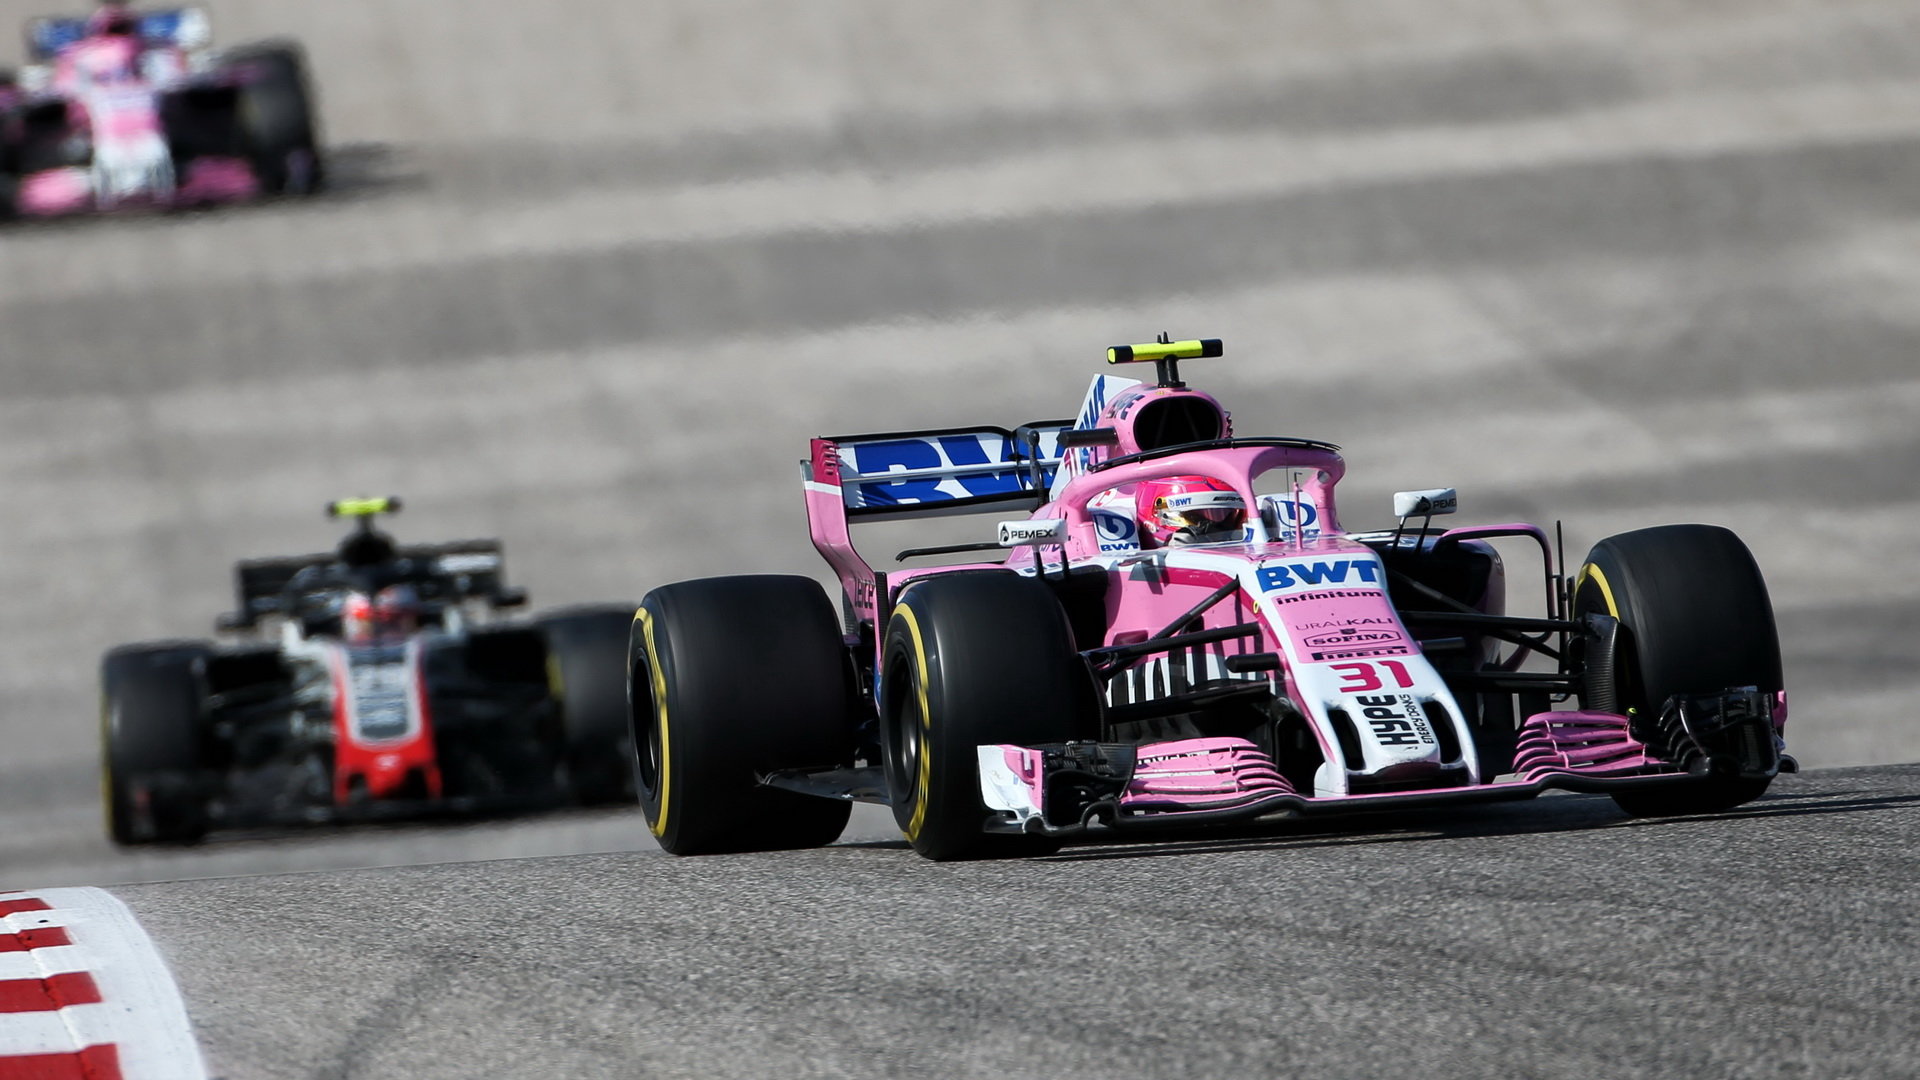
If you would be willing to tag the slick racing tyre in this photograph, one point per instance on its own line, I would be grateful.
(1694, 618)
(153, 743)
(971, 659)
(9, 176)
(732, 678)
(277, 117)
(587, 671)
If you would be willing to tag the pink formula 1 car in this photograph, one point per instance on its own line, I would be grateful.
(126, 109)
(1180, 631)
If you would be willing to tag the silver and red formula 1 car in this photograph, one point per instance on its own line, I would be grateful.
(1181, 631)
(368, 682)
(131, 109)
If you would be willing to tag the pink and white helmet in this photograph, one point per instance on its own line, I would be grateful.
(1189, 510)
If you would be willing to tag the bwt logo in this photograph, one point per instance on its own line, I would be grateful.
(1117, 532)
(1118, 528)
(1285, 577)
(1294, 515)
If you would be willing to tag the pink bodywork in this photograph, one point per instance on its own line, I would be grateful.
(1200, 774)
(1594, 743)
(217, 180)
(54, 192)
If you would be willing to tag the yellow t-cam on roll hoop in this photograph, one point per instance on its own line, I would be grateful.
(363, 508)
(365, 544)
(1166, 356)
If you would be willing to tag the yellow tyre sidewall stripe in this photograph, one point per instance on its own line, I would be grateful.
(1599, 577)
(923, 780)
(658, 677)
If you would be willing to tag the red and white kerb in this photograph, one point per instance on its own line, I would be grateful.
(84, 995)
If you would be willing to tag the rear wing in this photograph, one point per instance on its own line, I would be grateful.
(911, 474)
(929, 473)
(441, 573)
(185, 28)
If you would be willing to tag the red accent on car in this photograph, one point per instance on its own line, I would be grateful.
(383, 769)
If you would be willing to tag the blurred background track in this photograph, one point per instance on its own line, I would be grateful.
(593, 272)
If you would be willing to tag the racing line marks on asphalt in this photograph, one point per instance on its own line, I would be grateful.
(84, 995)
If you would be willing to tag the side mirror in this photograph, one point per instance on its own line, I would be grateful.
(1100, 436)
(193, 29)
(1429, 503)
(1033, 532)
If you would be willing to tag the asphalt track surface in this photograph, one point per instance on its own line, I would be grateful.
(592, 273)
(1550, 939)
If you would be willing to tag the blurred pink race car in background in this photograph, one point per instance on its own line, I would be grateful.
(130, 109)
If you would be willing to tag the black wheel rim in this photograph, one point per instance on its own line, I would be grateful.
(902, 735)
(1627, 689)
(646, 714)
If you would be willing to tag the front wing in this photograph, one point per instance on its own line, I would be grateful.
(1065, 788)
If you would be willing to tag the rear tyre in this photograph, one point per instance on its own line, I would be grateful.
(587, 671)
(153, 743)
(277, 118)
(1694, 619)
(732, 678)
(971, 659)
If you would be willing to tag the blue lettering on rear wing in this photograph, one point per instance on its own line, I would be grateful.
(184, 27)
(962, 470)
(46, 37)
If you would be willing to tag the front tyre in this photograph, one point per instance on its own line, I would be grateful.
(971, 660)
(277, 118)
(1694, 618)
(732, 678)
(153, 743)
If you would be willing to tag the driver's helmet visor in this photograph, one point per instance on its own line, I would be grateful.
(1204, 511)
(389, 613)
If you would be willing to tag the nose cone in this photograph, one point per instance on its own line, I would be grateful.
(386, 774)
